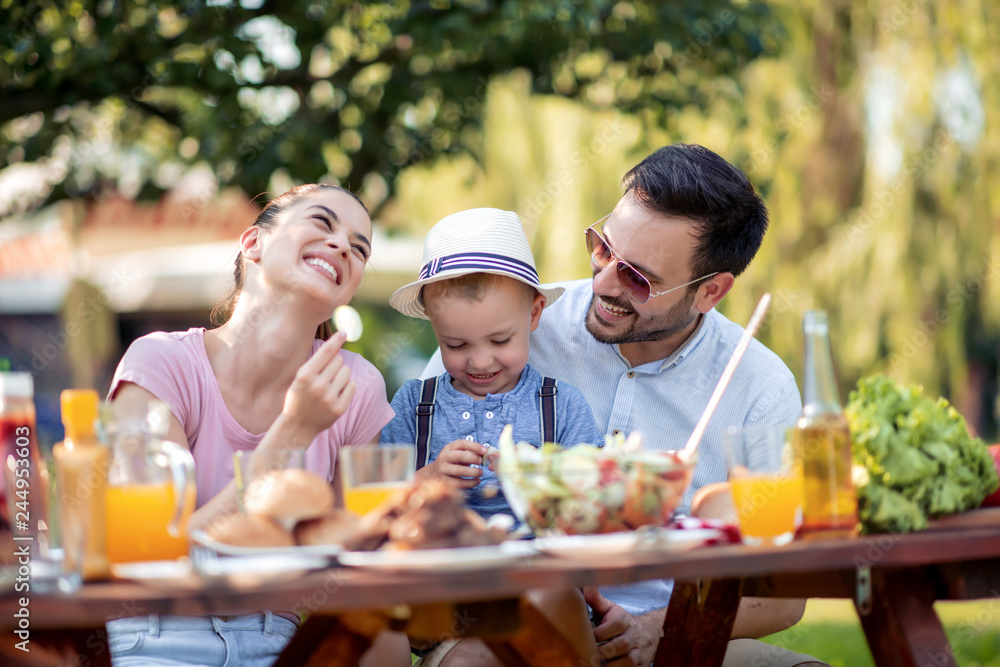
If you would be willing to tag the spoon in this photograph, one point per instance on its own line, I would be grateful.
(348, 320)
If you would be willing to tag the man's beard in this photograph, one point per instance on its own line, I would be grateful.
(642, 329)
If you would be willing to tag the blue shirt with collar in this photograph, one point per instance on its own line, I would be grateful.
(458, 416)
(662, 399)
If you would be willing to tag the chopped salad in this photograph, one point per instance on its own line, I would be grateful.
(586, 489)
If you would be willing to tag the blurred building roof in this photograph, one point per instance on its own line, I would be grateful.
(175, 254)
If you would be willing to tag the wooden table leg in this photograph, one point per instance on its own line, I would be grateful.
(698, 625)
(903, 630)
(331, 641)
(552, 625)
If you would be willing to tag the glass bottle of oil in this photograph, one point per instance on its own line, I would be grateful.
(823, 440)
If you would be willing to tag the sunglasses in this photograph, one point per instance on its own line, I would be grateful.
(634, 284)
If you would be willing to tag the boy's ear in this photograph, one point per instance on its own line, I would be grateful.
(250, 243)
(537, 306)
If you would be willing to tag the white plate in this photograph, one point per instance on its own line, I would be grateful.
(242, 571)
(159, 572)
(663, 540)
(459, 558)
(236, 571)
(200, 537)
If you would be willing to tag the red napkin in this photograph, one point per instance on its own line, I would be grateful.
(729, 532)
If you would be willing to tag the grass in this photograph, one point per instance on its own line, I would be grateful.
(830, 631)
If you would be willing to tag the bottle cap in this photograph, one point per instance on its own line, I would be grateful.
(17, 384)
(79, 409)
(814, 321)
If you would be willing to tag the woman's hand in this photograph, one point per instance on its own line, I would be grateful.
(455, 462)
(321, 391)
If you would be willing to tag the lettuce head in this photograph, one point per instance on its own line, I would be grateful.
(918, 457)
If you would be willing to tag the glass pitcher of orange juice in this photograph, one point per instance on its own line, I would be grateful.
(151, 488)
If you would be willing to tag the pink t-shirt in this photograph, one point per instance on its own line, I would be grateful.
(174, 367)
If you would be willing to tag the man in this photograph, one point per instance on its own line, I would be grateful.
(642, 340)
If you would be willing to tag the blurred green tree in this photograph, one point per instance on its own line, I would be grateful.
(103, 95)
(872, 149)
(868, 136)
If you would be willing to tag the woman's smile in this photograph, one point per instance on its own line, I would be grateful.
(325, 267)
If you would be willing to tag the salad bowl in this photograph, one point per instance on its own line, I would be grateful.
(589, 490)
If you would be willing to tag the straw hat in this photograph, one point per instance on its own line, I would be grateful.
(479, 240)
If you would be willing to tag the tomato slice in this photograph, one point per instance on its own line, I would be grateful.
(993, 500)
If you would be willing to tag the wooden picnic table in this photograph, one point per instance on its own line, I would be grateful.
(893, 579)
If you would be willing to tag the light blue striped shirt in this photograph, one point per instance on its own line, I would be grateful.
(662, 399)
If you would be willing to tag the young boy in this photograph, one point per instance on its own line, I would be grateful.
(479, 289)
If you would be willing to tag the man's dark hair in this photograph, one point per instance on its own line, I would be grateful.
(690, 181)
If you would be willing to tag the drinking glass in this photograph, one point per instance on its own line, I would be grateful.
(73, 535)
(373, 473)
(250, 464)
(766, 481)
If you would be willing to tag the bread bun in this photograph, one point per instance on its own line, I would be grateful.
(248, 530)
(289, 495)
(336, 527)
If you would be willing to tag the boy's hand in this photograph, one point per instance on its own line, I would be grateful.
(456, 460)
(491, 457)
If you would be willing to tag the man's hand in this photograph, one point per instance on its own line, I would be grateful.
(455, 462)
(624, 640)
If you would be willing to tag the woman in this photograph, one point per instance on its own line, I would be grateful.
(263, 380)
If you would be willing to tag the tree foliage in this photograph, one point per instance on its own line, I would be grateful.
(123, 95)
(868, 136)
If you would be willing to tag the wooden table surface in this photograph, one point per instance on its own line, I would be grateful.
(906, 574)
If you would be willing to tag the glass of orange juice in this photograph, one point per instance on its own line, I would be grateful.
(766, 481)
(373, 473)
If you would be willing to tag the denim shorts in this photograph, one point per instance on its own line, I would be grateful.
(250, 640)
